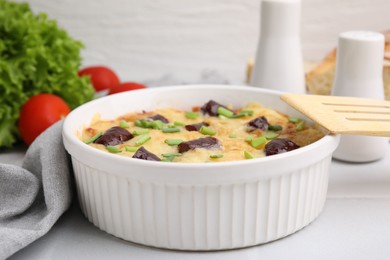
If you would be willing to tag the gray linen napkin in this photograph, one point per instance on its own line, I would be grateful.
(34, 196)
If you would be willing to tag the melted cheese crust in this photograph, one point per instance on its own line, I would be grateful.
(232, 149)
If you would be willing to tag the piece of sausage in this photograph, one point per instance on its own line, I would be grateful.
(114, 136)
(280, 145)
(144, 154)
(195, 127)
(210, 143)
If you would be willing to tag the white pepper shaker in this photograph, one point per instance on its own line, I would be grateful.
(359, 66)
(278, 62)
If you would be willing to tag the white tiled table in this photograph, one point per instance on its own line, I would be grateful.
(355, 224)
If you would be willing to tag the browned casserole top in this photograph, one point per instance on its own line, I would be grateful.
(210, 133)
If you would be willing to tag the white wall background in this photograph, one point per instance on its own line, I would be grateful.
(176, 41)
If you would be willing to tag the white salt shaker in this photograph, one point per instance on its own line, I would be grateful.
(278, 62)
(359, 66)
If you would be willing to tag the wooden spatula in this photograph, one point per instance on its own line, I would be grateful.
(344, 115)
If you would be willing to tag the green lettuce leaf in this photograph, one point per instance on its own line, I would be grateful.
(36, 56)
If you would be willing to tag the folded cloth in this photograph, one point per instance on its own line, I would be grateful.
(34, 196)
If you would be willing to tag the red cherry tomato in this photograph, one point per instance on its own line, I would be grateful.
(126, 87)
(38, 113)
(101, 77)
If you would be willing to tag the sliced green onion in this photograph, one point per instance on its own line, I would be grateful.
(140, 131)
(93, 138)
(247, 112)
(232, 136)
(176, 123)
(157, 124)
(143, 139)
(173, 142)
(275, 128)
(123, 124)
(300, 126)
(149, 124)
(257, 142)
(168, 159)
(249, 138)
(222, 117)
(216, 156)
(131, 149)
(192, 115)
(270, 136)
(243, 113)
(113, 149)
(138, 123)
(248, 155)
(170, 156)
(170, 130)
(207, 131)
(238, 115)
(294, 119)
(224, 112)
(143, 123)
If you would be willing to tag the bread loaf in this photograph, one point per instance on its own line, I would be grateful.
(319, 80)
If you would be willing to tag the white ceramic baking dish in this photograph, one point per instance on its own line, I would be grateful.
(196, 206)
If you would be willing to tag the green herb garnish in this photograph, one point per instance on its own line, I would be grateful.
(176, 123)
(140, 131)
(168, 157)
(143, 123)
(157, 124)
(257, 142)
(113, 149)
(249, 138)
(131, 149)
(247, 112)
(123, 124)
(170, 130)
(232, 136)
(224, 112)
(275, 128)
(207, 131)
(143, 139)
(216, 156)
(173, 142)
(138, 123)
(270, 136)
(93, 138)
(243, 113)
(192, 115)
(248, 155)
(294, 119)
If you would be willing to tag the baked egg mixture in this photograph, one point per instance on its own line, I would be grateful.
(210, 133)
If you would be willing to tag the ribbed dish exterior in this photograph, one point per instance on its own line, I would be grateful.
(202, 217)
